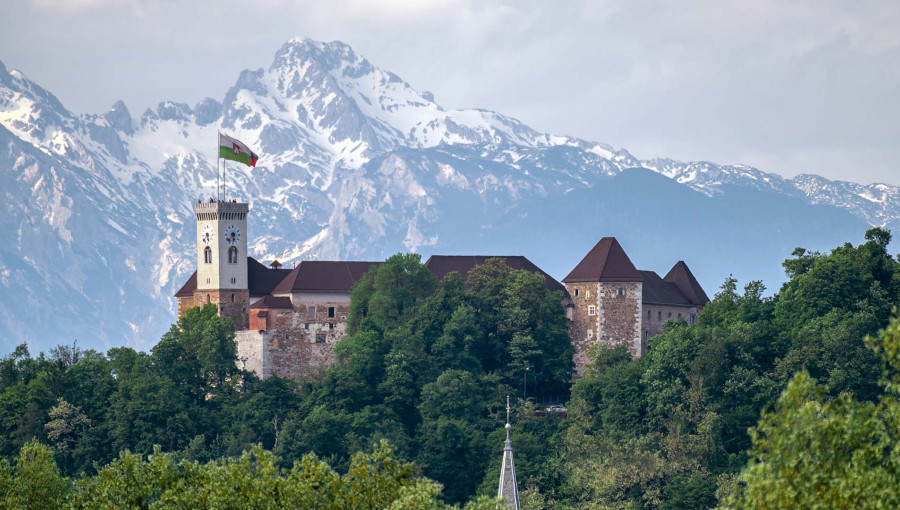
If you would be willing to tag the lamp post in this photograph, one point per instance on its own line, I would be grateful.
(525, 383)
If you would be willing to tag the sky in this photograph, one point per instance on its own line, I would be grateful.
(807, 86)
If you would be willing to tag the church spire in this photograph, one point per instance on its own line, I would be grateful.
(508, 490)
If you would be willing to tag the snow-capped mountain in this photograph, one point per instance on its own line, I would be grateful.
(355, 163)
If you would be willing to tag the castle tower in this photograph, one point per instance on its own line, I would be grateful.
(222, 259)
(607, 295)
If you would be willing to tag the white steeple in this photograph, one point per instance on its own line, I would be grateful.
(509, 489)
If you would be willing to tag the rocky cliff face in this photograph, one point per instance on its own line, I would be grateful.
(355, 164)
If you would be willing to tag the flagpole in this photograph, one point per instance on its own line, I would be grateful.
(218, 157)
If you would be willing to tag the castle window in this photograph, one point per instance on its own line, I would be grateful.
(330, 325)
(620, 291)
(670, 315)
(679, 315)
(311, 312)
(207, 298)
(232, 255)
(330, 312)
(590, 333)
(576, 292)
(232, 298)
(207, 255)
(693, 318)
(320, 338)
(592, 310)
(649, 314)
(659, 315)
(306, 326)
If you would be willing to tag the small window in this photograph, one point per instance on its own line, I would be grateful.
(306, 326)
(659, 315)
(590, 334)
(232, 255)
(311, 311)
(592, 310)
(320, 338)
(693, 318)
(343, 317)
(330, 325)
(232, 298)
(330, 312)
(649, 315)
(620, 291)
(646, 334)
(207, 298)
(576, 292)
(679, 315)
(670, 315)
(207, 255)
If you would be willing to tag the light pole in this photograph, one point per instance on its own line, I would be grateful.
(525, 383)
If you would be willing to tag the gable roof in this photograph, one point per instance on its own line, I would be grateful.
(681, 276)
(606, 262)
(323, 276)
(657, 291)
(441, 265)
(260, 280)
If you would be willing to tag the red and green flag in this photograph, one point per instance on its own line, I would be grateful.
(236, 150)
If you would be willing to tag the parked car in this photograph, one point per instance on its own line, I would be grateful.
(557, 409)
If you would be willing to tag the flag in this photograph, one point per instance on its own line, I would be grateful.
(235, 150)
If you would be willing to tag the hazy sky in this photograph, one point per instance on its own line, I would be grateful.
(789, 87)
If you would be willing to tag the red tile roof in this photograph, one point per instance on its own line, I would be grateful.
(187, 290)
(681, 276)
(606, 262)
(441, 265)
(323, 276)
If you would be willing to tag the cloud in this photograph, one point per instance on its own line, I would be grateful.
(705, 79)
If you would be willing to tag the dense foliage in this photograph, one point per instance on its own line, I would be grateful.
(426, 366)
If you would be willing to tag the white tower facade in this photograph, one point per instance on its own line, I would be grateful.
(221, 245)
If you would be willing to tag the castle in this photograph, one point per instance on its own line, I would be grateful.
(288, 320)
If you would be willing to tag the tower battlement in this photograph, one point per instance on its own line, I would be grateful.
(218, 210)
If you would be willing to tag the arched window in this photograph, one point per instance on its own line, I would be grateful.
(207, 255)
(232, 255)
(232, 298)
(207, 298)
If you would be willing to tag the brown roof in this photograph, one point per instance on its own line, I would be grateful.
(260, 280)
(606, 262)
(323, 276)
(187, 290)
(441, 265)
(273, 302)
(656, 291)
(681, 276)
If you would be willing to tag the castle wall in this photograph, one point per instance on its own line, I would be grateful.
(293, 344)
(620, 315)
(584, 326)
(237, 309)
(653, 317)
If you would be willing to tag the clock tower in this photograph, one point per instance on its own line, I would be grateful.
(222, 259)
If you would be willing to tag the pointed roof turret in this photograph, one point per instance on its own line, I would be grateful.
(509, 489)
(681, 276)
(606, 262)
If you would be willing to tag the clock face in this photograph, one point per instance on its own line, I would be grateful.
(232, 234)
(207, 235)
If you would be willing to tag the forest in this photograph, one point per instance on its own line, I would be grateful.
(769, 401)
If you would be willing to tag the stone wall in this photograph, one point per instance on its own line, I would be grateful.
(292, 344)
(584, 326)
(653, 317)
(231, 303)
(620, 315)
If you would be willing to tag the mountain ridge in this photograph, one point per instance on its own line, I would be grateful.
(355, 163)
